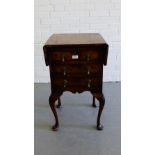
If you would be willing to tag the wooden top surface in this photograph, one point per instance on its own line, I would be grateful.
(75, 39)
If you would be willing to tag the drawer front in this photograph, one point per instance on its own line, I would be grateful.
(77, 70)
(85, 83)
(65, 55)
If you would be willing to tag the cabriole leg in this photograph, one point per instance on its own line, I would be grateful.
(52, 100)
(59, 102)
(101, 100)
(94, 105)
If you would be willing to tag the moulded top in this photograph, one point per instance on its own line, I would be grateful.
(75, 39)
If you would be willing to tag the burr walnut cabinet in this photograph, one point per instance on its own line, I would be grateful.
(76, 64)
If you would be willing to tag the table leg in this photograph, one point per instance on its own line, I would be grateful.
(52, 99)
(59, 102)
(94, 105)
(101, 100)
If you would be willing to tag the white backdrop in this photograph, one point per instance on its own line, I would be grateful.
(77, 16)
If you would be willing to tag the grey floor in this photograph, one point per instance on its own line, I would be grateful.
(77, 134)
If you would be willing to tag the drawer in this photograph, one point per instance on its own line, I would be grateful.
(77, 70)
(86, 83)
(66, 55)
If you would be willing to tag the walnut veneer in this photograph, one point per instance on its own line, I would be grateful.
(76, 64)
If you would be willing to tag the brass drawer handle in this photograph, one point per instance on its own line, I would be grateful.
(62, 57)
(64, 71)
(89, 83)
(65, 83)
(88, 57)
(88, 72)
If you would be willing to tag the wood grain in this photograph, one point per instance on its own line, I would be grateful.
(76, 64)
